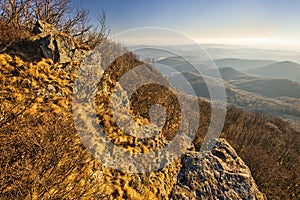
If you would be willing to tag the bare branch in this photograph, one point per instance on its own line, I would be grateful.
(75, 22)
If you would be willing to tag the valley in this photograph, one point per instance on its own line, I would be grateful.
(246, 87)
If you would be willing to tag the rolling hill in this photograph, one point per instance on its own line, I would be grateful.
(241, 64)
(277, 97)
(268, 87)
(272, 88)
(284, 70)
(229, 74)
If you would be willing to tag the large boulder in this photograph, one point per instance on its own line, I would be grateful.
(216, 174)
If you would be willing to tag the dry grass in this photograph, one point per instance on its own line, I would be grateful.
(42, 156)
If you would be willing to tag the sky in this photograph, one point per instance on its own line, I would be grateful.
(257, 22)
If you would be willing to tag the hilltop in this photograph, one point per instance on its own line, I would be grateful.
(43, 156)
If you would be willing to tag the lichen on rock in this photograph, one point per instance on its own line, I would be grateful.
(216, 174)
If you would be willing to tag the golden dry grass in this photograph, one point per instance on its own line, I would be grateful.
(42, 156)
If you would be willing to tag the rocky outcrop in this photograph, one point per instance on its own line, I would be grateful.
(57, 46)
(218, 174)
(47, 42)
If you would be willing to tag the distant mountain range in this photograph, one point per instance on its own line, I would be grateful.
(278, 97)
(268, 87)
(216, 51)
(264, 68)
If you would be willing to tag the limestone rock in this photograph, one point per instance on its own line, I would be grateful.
(216, 174)
(43, 27)
(57, 46)
(47, 42)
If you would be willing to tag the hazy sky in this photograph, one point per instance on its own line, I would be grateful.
(210, 21)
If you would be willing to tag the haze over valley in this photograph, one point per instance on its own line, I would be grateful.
(258, 80)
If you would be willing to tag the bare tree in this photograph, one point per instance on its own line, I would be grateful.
(76, 22)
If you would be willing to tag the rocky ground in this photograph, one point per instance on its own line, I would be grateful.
(217, 174)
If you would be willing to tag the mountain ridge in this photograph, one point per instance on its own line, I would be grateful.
(285, 69)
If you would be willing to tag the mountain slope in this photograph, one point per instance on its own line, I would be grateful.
(267, 144)
(229, 74)
(272, 88)
(45, 145)
(43, 157)
(42, 152)
(284, 70)
(241, 64)
(268, 87)
(277, 97)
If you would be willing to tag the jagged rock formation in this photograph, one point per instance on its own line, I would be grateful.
(47, 42)
(216, 174)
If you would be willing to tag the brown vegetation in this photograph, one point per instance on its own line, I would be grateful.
(42, 155)
(17, 19)
(266, 144)
(270, 148)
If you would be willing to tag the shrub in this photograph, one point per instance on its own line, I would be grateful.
(10, 34)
